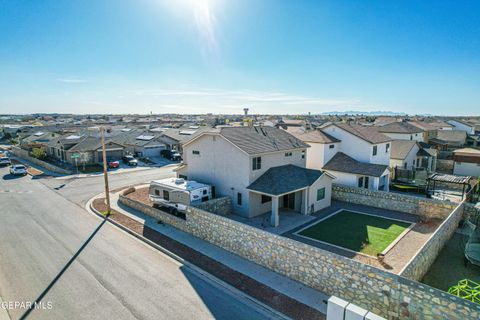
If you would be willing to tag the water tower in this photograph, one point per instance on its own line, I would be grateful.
(245, 110)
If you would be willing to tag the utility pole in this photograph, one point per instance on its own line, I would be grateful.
(104, 156)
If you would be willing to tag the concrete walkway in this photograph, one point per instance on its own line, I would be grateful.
(282, 284)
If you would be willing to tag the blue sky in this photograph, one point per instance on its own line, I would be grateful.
(274, 56)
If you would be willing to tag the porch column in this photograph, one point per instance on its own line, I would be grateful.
(274, 219)
(305, 201)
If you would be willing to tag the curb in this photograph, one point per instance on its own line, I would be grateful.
(214, 280)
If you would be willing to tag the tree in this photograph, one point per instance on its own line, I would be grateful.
(38, 153)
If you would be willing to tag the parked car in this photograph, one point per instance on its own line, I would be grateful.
(173, 155)
(112, 164)
(5, 161)
(18, 170)
(130, 160)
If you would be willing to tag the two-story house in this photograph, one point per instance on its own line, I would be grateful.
(402, 131)
(262, 169)
(356, 155)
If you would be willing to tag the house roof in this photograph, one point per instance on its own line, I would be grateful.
(468, 151)
(400, 127)
(343, 163)
(87, 144)
(369, 134)
(285, 179)
(183, 135)
(258, 140)
(452, 136)
(316, 136)
(401, 148)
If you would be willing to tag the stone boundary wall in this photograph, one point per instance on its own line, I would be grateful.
(25, 155)
(222, 206)
(423, 207)
(445, 166)
(423, 259)
(471, 212)
(383, 293)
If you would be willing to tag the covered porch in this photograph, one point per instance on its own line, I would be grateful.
(290, 189)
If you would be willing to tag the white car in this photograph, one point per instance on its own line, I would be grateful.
(5, 161)
(18, 169)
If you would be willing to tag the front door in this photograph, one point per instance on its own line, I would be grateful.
(289, 201)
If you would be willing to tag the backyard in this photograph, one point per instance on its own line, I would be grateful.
(363, 233)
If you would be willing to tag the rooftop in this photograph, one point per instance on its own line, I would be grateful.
(401, 148)
(180, 184)
(285, 179)
(399, 127)
(369, 134)
(316, 136)
(343, 163)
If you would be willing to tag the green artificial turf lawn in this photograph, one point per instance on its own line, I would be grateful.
(350, 229)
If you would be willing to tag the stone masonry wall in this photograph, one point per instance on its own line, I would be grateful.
(424, 258)
(472, 213)
(222, 206)
(25, 155)
(383, 293)
(444, 166)
(423, 207)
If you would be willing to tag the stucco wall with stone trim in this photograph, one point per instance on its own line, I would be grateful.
(383, 293)
(423, 207)
(423, 259)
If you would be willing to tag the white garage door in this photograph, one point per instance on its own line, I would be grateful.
(152, 152)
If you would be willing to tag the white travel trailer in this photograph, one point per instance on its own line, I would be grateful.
(176, 193)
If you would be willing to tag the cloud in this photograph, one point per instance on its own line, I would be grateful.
(70, 80)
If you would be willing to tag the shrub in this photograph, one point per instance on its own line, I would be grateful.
(38, 153)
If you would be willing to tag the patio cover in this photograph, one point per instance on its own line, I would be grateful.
(277, 181)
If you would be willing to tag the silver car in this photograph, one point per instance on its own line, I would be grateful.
(18, 170)
(5, 161)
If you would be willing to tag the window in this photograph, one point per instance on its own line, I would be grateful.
(257, 163)
(320, 194)
(196, 152)
(266, 199)
(157, 192)
(387, 147)
(360, 182)
(204, 191)
(374, 150)
(411, 137)
(363, 182)
(405, 165)
(166, 195)
(303, 154)
(239, 199)
(331, 146)
(288, 154)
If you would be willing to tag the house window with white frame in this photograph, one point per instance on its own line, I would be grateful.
(320, 194)
(256, 163)
(239, 199)
(374, 150)
(387, 147)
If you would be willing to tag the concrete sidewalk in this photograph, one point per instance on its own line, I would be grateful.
(282, 284)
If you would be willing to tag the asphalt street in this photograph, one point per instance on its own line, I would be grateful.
(42, 226)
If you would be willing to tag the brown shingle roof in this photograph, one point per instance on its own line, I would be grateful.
(316, 136)
(400, 127)
(343, 163)
(369, 134)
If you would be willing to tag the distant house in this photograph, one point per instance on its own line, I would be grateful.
(262, 169)
(361, 147)
(173, 138)
(88, 148)
(447, 140)
(460, 125)
(410, 154)
(402, 131)
(466, 162)
(142, 143)
(39, 139)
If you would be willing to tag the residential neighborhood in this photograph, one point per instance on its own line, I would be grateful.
(211, 159)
